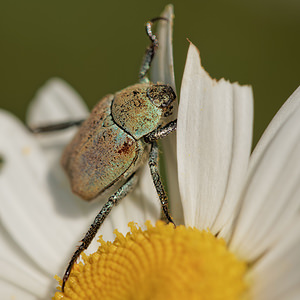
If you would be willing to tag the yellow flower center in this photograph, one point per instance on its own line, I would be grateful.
(161, 262)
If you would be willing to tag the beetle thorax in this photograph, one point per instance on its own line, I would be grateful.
(141, 108)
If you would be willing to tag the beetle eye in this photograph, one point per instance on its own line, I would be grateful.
(161, 95)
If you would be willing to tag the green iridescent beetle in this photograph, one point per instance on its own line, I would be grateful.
(115, 141)
(110, 146)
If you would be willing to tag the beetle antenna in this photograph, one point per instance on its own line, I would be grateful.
(150, 50)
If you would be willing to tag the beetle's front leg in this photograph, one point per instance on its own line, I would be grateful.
(105, 210)
(150, 50)
(153, 164)
(161, 132)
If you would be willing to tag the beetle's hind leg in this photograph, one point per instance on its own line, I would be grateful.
(105, 210)
(148, 57)
(55, 127)
(153, 164)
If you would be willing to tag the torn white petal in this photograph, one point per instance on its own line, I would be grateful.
(209, 134)
(271, 198)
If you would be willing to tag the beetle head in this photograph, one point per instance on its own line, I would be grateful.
(161, 95)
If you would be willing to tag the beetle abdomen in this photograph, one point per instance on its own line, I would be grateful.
(97, 159)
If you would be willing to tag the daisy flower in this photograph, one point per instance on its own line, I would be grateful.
(243, 210)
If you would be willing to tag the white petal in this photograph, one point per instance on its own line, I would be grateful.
(53, 103)
(214, 139)
(272, 193)
(293, 294)
(31, 211)
(15, 183)
(162, 66)
(19, 269)
(163, 71)
(30, 282)
(11, 292)
(241, 147)
(277, 274)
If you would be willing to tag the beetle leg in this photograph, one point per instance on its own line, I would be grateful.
(55, 127)
(153, 164)
(147, 60)
(105, 210)
(161, 132)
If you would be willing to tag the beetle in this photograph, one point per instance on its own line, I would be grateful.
(114, 142)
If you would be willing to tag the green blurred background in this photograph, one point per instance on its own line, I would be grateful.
(97, 46)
